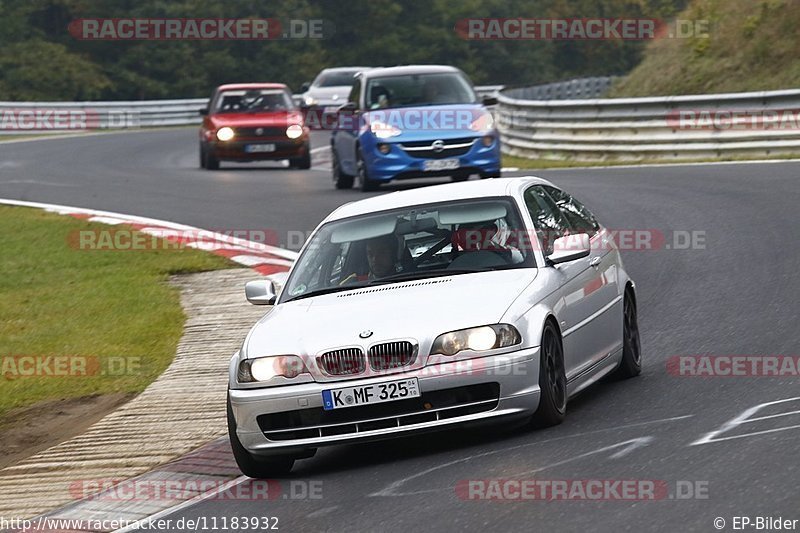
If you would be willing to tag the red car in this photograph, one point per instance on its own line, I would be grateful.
(253, 122)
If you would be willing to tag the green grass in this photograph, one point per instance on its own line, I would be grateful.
(751, 45)
(524, 164)
(56, 300)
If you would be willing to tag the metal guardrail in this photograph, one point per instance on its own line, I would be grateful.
(565, 90)
(488, 90)
(712, 126)
(58, 117)
(21, 118)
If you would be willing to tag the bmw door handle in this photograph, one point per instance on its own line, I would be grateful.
(595, 262)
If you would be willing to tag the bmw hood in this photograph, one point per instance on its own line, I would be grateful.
(420, 309)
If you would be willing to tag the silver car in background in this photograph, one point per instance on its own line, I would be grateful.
(417, 310)
(330, 88)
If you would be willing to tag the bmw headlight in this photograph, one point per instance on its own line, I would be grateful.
(294, 131)
(477, 339)
(384, 131)
(309, 100)
(263, 369)
(225, 134)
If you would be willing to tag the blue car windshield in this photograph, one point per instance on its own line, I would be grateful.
(410, 90)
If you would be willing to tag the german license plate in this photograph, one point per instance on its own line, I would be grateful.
(441, 164)
(252, 148)
(369, 394)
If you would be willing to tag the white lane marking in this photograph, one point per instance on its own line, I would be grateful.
(63, 209)
(50, 136)
(322, 512)
(633, 444)
(36, 182)
(744, 418)
(253, 260)
(319, 150)
(642, 165)
(390, 489)
(629, 446)
(184, 505)
(771, 416)
(111, 221)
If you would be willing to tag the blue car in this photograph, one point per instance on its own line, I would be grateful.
(411, 122)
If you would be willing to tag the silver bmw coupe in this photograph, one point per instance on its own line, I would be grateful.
(418, 310)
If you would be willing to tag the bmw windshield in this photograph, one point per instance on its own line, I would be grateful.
(451, 238)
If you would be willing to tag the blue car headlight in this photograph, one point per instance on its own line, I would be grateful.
(382, 130)
(484, 123)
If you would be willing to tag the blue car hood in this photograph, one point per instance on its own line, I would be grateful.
(431, 121)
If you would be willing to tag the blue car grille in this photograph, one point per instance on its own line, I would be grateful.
(450, 148)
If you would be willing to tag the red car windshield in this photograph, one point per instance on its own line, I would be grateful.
(253, 101)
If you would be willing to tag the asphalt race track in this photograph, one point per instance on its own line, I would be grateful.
(738, 295)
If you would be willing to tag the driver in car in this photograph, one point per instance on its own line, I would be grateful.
(381, 254)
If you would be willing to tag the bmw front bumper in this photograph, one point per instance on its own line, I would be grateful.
(286, 419)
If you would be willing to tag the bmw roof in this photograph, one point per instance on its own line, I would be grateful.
(437, 193)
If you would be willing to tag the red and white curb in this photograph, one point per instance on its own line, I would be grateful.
(265, 259)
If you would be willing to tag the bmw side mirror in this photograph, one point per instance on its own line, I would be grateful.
(489, 100)
(569, 248)
(260, 292)
(306, 86)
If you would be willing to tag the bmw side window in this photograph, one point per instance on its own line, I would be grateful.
(550, 224)
(580, 218)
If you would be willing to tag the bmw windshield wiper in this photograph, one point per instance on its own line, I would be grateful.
(402, 276)
(320, 292)
(407, 276)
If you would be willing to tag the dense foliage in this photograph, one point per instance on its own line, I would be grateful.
(39, 59)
